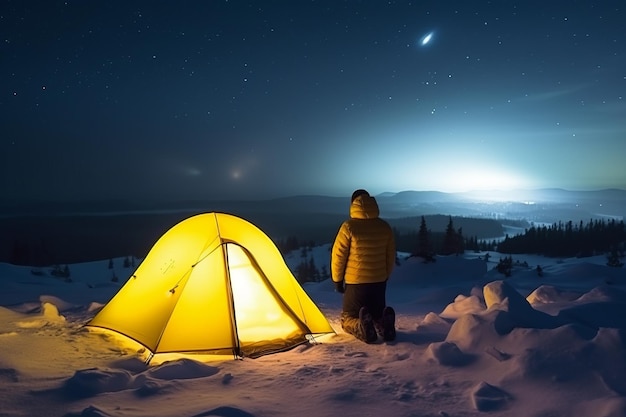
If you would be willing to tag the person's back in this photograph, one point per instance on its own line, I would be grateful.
(363, 256)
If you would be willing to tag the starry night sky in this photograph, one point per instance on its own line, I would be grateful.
(261, 99)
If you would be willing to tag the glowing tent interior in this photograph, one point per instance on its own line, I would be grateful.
(213, 283)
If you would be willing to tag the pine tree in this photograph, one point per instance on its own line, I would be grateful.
(505, 266)
(613, 259)
(314, 273)
(460, 242)
(324, 273)
(424, 247)
(451, 240)
(302, 271)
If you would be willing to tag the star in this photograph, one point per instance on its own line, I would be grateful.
(426, 38)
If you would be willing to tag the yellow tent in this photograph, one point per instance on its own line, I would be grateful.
(213, 283)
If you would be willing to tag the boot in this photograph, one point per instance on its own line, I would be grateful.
(366, 331)
(389, 324)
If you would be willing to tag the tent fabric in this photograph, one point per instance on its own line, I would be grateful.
(213, 283)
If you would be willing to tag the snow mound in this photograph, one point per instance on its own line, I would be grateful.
(181, 369)
(49, 316)
(486, 397)
(545, 294)
(90, 382)
(433, 327)
(515, 346)
(447, 354)
(61, 305)
(8, 375)
(500, 295)
(94, 381)
(463, 305)
(90, 411)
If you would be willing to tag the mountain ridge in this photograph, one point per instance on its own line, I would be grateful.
(391, 200)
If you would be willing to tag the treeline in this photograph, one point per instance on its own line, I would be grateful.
(421, 242)
(445, 235)
(49, 240)
(307, 271)
(291, 243)
(482, 228)
(426, 243)
(568, 239)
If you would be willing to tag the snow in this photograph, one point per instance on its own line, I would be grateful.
(470, 343)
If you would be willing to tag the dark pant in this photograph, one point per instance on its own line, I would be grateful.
(356, 296)
(371, 296)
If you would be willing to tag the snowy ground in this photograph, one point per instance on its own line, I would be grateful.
(563, 355)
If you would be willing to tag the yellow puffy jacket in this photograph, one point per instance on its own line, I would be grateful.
(364, 250)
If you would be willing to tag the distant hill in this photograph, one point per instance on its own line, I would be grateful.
(555, 204)
(75, 232)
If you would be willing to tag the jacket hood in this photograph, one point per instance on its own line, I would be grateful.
(364, 207)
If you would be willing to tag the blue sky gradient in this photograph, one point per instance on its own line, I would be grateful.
(239, 99)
